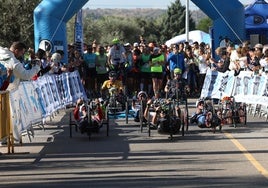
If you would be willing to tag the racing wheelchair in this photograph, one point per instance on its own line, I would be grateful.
(115, 101)
(89, 117)
(233, 112)
(206, 116)
(166, 116)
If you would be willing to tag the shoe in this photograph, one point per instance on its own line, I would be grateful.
(153, 127)
(144, 120)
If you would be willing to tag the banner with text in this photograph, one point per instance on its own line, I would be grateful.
(245, 87)
(35, 100)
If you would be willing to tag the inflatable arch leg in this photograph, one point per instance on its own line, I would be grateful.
(228, 19)
(50, 18)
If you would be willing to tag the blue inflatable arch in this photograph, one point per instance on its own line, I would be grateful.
(50, 18)
(228, 19)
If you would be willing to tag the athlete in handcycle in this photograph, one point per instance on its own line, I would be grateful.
(175, 90)
(205, 115)
(164, 115)
(88, 116)
(138, 106)
(112, 90)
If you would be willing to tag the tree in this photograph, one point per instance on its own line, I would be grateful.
(16, 21)
(129, 25)
(151, 28)
(204, 25)
(174, 21)
(105, 29)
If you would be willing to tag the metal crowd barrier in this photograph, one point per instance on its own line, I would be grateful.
(6, 132)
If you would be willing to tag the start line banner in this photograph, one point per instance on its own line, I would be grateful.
(245, 87)
(33, 101)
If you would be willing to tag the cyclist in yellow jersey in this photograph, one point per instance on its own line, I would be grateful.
(112, 85)
(113, 90)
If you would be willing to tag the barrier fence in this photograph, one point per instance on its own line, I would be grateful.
(34, 101)
(245, 87)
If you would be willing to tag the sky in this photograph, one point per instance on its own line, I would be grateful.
(163, 4)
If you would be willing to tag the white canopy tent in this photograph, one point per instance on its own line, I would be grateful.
(195, 35)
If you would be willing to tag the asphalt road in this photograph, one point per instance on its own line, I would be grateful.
(234, 157)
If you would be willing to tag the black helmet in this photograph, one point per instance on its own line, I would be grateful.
(112, 74)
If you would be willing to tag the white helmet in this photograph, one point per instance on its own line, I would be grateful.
(142, 94)
(56, 57)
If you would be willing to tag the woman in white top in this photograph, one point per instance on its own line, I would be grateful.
(203, 66)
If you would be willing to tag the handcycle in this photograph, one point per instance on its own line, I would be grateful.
(117, 104)
(92, 122)
(179, 96)
(181, 99)
(170, 119)
(207, 116)
(233, 112)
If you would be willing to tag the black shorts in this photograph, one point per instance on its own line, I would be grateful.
(145, 75)
(158, 75)
(91, 72)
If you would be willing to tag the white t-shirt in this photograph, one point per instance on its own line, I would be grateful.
(203, 67)
(117, 55)
(264, 64)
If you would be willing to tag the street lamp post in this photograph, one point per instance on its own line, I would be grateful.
(187, 21)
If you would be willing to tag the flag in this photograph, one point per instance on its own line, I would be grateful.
(78, 31)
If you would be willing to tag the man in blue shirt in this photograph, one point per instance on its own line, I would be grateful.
(175, 60)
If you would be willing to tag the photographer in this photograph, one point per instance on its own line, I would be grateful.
(46, 66)
(10, 58)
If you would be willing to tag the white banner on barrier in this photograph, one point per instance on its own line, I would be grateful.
(245, 87)
(35, 100)
(217, 84)
(25, 108)
(251, 89)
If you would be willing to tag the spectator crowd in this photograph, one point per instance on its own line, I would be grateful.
(140, 66)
